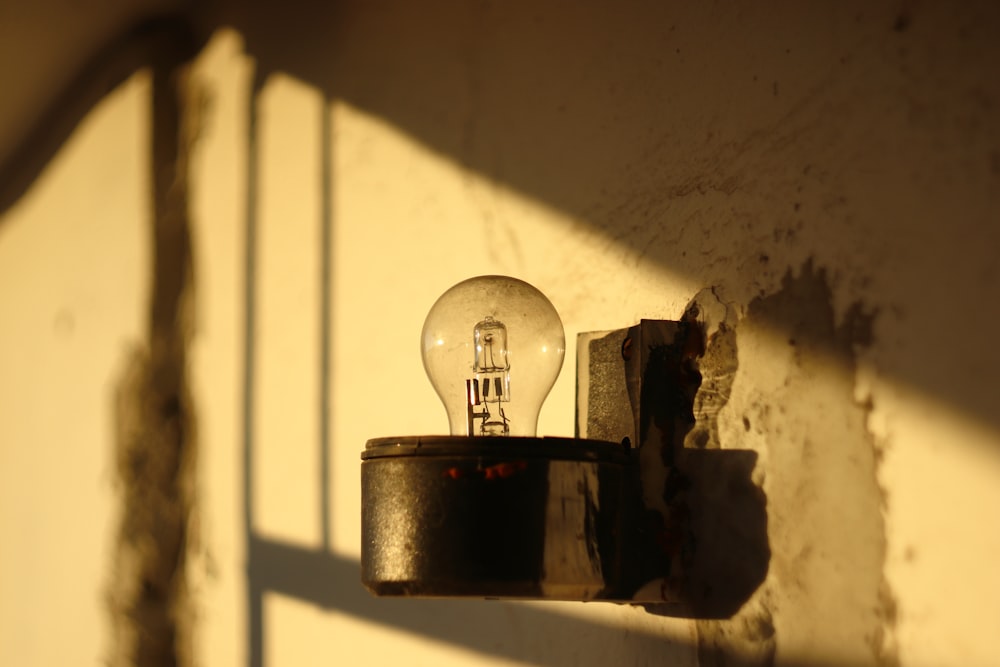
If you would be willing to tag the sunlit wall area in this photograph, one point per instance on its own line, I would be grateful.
(74, 280)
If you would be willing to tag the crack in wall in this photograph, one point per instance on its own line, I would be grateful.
(156, 441)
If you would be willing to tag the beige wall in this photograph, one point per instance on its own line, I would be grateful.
(73, 289)
(833, 172)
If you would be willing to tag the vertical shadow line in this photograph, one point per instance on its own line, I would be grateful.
(325, 293)
(255, 596)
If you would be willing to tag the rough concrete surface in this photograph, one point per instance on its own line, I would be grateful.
(793, 401)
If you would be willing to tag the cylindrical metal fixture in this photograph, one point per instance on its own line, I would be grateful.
(496, 517)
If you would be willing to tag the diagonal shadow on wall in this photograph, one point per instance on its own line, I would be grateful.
(575, 119)
(437, 70)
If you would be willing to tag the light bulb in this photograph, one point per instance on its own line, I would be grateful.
(492, 347)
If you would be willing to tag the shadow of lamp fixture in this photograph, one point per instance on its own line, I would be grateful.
(491, 510)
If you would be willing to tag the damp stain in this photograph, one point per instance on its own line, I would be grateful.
(148, 597)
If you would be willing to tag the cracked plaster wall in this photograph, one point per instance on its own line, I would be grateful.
(832, 172)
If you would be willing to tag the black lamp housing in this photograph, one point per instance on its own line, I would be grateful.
(499, 517)
(615, 517)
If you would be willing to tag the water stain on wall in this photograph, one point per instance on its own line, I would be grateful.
(156, 451)
(148, 596)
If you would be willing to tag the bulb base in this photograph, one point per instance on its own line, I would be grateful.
(497, 517)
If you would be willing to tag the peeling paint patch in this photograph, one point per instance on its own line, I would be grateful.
(825, 599)
(718, 367)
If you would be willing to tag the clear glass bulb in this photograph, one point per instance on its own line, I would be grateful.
(492, 347)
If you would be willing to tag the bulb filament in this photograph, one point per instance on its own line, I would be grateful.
(489, 387)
